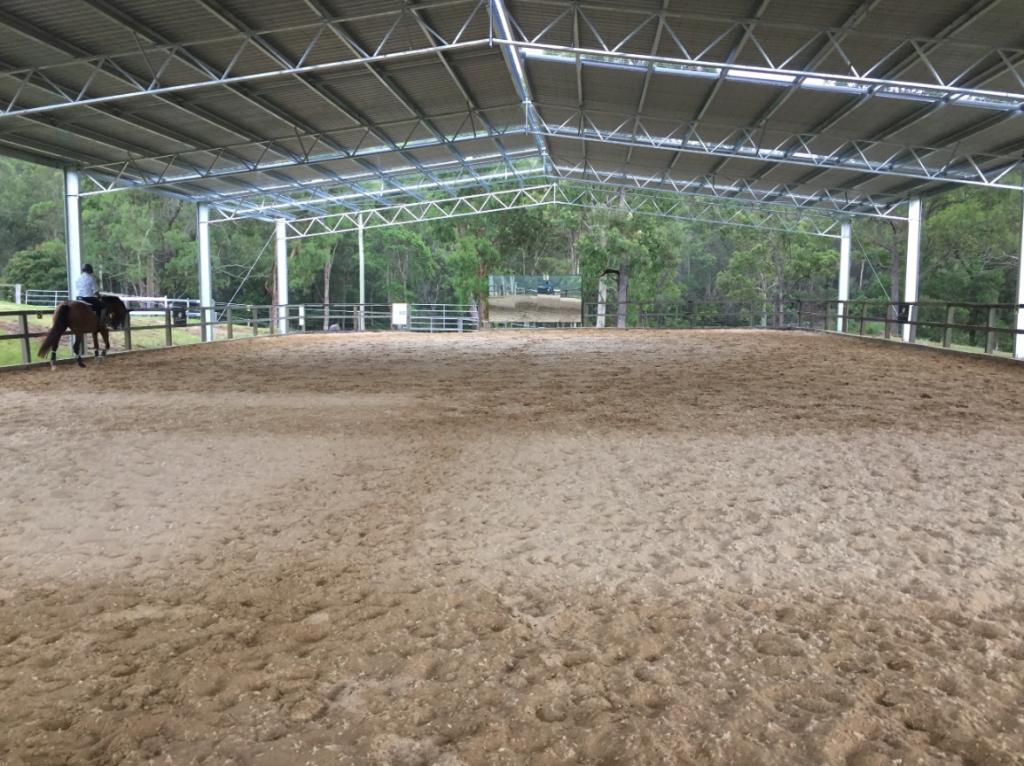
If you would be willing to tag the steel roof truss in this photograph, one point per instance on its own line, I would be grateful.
(661, 205)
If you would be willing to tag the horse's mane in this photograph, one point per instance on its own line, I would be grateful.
(114, 301)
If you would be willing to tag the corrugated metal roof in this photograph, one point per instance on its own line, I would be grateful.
(231, 75)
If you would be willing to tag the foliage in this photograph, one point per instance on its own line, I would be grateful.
(43, 266)
(143, 243)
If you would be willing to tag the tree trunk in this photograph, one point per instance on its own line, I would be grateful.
(894, 281)
(623, 296)
(151, 285)
(482, 302)
(327, 288)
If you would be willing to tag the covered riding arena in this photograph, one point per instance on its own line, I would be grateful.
(707, 547)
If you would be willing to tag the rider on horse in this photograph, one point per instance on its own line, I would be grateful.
(87, 291)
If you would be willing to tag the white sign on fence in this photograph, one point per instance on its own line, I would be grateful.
(399, 314)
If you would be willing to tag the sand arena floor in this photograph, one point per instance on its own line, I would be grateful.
(728, 548)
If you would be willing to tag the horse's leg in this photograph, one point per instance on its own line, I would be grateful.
(96, 347)
(106, 342)
(53, 358)
(79, 348)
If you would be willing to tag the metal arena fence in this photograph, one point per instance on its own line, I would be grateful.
(989, 328)
(184, 324)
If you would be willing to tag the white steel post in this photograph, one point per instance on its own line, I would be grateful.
(844, 275)
(205, 271)
(910, 287)
(362, 277)
(281, 262)
(72, 229)
(1018, 339)
(602, 301)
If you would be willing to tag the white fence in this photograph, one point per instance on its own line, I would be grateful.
(43, 297)
(139, 304)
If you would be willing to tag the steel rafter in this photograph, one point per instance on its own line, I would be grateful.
(304, 149)
(107, 110)
(860, 156)
(197, 64)
(661, 205)
(310, 80)
(501, 26)
(313, 82)
(839, 202)
(885, 158)
(267, 202)
(160, 55)
(821, 51)
(693, 57)
(397, 91)
(455, 177)
(529, 165)
(422, 22)
(692, 61)
(962, 22)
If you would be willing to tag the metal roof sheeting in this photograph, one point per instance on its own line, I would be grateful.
(218, 97)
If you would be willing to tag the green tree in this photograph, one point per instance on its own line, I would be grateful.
(41, 267)
(473, 258)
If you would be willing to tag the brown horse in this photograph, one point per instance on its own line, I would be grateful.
(81, 319)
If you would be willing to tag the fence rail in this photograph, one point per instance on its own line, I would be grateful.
(989, 327)
(181, 323)
(44, 297)
(692, 314)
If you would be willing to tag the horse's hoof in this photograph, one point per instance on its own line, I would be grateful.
(81, 363)
(53, 367)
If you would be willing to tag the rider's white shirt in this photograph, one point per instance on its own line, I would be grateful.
(85, 286)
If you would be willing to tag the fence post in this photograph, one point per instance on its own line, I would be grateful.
(128, 332)
(828, 315)
(230, 321)
(273, 331)
(168, 335)
(26, 346)
(254, 318)
(947, 331)
(863, 315)
(302, 317)
(17, 294)
(990, 333)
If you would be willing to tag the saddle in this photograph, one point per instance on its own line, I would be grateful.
(97, 305)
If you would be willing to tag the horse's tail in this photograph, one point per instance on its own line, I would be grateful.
(60, 324)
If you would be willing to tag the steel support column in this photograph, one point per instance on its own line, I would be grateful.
(362, 275)
(914, 223)
(281, 272)
(72, 229)
(844, 275)
(205, 271)
(1018, 339)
